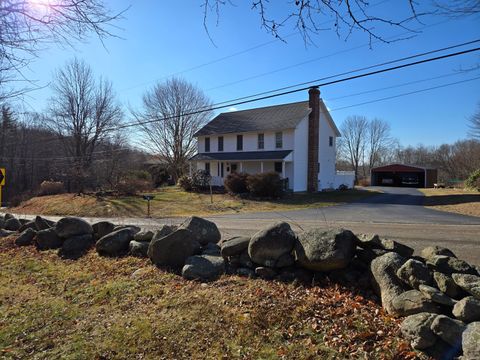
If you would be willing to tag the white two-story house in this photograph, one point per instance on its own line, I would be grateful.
(297, 140)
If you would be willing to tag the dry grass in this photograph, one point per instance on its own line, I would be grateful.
(172, 201)
(94, 308)
(460, 201)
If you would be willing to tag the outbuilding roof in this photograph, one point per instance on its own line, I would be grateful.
(400, 167)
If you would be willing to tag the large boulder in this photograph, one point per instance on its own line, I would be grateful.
(102, 228)
(211, 249)
(26, 237)
(204, 231)
(449, 330)
(174, 249)
(144, 236)
(385, 280)
(415, 273)
(203, 267)
(467, 309)
(320, 250)
(5, 233)
(234, 246)
(376, 242)
(48, 239)
(431, 251)
(12, 224)
(28, 225)
(76, 246)
(416, 329)
(268, 245)
(139, 248)
(68, 227)
(446, 284)
(471, 342)
(116, 243)
(436, 295)
(412, 302)
(469, 283)
(41, 223)
(133, 228)
(449, 265)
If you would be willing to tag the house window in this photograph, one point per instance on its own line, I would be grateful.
(220, 143)
(330, 141)
(261, 141)
(278, 167)
(239, 142)
(207, 144)
(207, 168)
(279, 140)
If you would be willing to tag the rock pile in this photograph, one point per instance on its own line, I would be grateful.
(437, 293)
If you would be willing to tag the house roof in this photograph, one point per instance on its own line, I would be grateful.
(277, 117)
(242, 155)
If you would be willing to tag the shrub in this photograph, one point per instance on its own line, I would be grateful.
(51, 188)
(265, 185)
(185, 182)
(201, 180)
(236, 183)
(343, 187)
(473, 181)
(132, 186)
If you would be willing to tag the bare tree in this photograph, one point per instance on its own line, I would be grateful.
(169, 120)
(82, 112)
(475, 124)
(353, 142)
(379, 141)
(26, 27)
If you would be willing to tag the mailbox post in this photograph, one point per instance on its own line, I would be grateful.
(2, 183)
(148, 198)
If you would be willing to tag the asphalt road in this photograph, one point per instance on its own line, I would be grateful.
(397, 213)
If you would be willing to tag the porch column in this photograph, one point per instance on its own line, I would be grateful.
(241, 167)
(283, 169)
(261, 167)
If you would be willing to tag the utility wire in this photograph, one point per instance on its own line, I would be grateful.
(217, 107)
(407, 93)
(314, 83)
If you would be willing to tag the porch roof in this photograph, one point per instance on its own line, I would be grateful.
(242, 155)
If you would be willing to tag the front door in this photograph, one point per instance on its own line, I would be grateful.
(233, 167)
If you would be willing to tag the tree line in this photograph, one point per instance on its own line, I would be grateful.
(368, 143)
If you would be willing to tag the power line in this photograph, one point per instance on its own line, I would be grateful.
(276, 92)
(319, 58)
(407, 93)
(139, 123)
(241, 52)
(357, 70)
(395, 86)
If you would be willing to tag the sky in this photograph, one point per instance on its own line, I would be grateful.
(160, 39)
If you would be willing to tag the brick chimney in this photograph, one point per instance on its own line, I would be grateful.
(313, 130)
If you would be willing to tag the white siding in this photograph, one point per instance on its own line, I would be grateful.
(326, 154)
(300, 156)
(250, 141)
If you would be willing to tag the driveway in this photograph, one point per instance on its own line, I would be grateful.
(397, 213)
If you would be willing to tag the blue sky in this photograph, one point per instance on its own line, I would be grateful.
(165, 38)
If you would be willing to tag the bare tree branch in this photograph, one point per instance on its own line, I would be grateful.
(171, 137)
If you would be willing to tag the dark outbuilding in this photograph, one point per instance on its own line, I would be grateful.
(404, 176)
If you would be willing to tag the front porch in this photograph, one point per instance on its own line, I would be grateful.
(220, 165)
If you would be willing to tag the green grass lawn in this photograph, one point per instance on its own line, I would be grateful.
(95, 308)
(172, 201)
